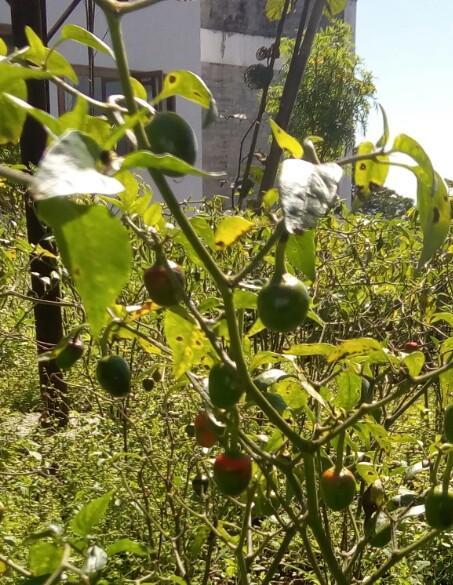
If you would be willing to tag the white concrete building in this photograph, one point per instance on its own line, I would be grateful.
(217, 39)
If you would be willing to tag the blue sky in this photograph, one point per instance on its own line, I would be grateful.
(408, 45)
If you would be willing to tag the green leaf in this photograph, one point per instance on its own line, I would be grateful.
(81, 35)
(292, 393)
(307, 192)
(163, 162)
(187, 342)
(44, 118)
(311, 349)
(274, 9)
(367, 472)
(91, 515)
(78, 155)
(270, 198)
(360, 346)
(74, 119)
(44, 558)
(245, 299)
(201, 534)
(286, 141)
(443, 316)
(50, 60)
(382, 142)
(369, 173)
(414, 363)
(301, 253)
(138, 89)
(203, 229)
(86, 237)
(230, 229)
(334, 7)
(3, 48)
(126, 545)
(13, 117)
(10, 74)
(432, 197)
(187, 85)
(349, 385)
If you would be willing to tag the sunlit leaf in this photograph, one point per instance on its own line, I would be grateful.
(307, 192)
(349, 385)
(301, 253)
(371, 173)
(83, 36)
(367, 472)
(146, 345)
(13, 116)
(432, 197)
(274, 9)
(163, 162)
(78, 155)
(49, 59)
(292, 392)
(325, 349)
(187, 342)
(3, 48)
(334, 7)
(230, 229)
(270, 198)
(361, 346)
(245, 299)
(286, 141)
(126, 545)
(91, 515)
(414, 363)
(86, 237)
(44, 118)
(187, 85)
(44, 558)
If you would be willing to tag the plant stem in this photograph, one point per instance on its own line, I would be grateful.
(447, 472)
(314, 521)
(340, 450)
(289, 535)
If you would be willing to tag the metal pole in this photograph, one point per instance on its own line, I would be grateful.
(48, 318)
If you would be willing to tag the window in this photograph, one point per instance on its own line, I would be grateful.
(106, 83)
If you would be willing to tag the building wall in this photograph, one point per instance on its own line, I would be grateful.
(155, 40)
(232, 32)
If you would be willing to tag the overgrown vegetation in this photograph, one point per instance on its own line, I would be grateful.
(203, 439)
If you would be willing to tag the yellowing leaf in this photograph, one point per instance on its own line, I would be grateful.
(369, 173)
(274, 9)
(270, 198)
(145, 344)
(187, 85)
(414, 362)
(286, 141)
(230, 229)
(334, 7)
(361, 346)
(187, 342)
(311, 349)
(367, 472)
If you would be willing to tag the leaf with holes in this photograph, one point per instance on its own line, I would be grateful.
(369, 174)
(78, 155)
(86, 236)
(432, 197)
(230, 229)
(360, 346)
(286, 141)
(307, 192)
(187, 85)
(367, 472)
(187, 342)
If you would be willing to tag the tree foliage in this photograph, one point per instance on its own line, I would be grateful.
(336, 93)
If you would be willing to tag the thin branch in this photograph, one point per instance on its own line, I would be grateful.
(17, 176)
